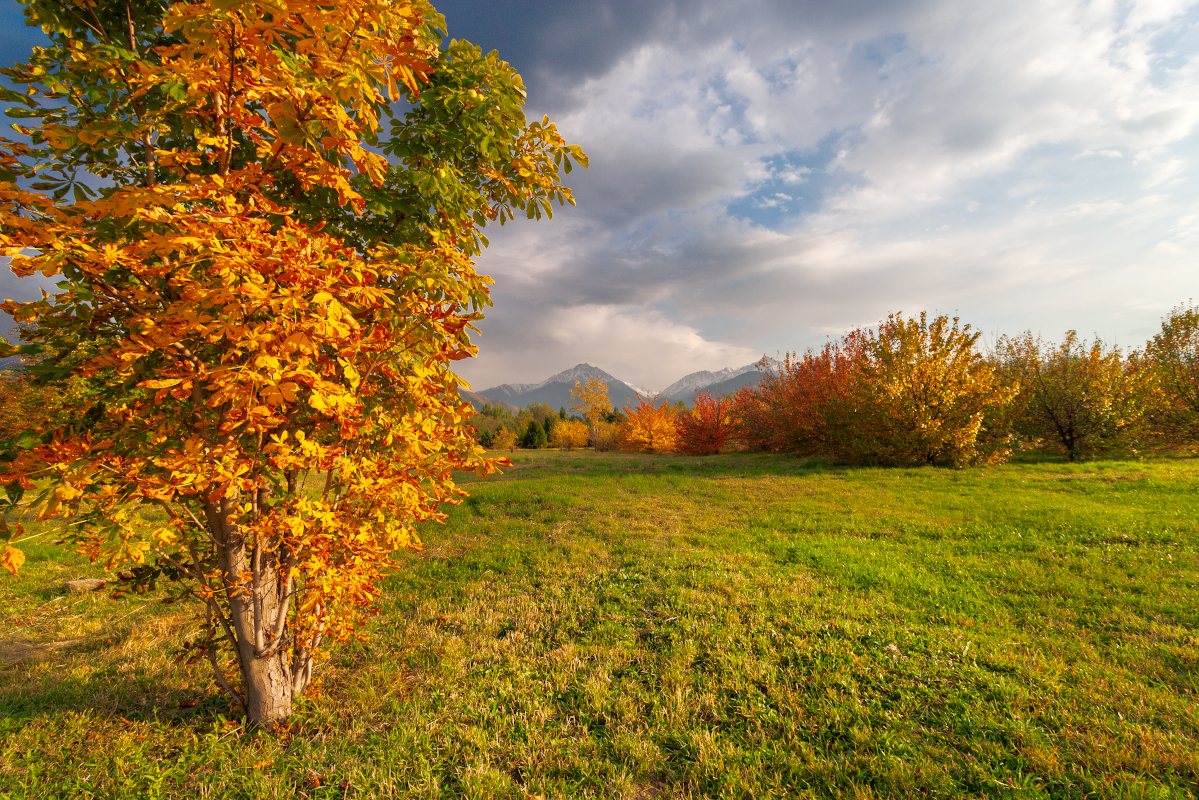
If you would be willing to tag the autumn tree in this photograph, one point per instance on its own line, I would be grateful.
(570, 434)
(649, 427)
(1078, 396)
(792, 408)
(913, 391)
(707, 427)
(263, 217)
(604, 435)
(504, 439)
(921, 392)
(1173, 357)
(489, 420)
(591, 403)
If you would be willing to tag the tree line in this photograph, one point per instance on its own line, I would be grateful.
(923, 390)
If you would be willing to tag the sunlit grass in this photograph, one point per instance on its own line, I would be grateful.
(616, 625)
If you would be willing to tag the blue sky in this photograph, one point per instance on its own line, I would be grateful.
(765, 174)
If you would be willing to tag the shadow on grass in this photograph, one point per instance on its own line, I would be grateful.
(123, 672)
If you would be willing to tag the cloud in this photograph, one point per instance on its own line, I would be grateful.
(764, 174)
(635, 344)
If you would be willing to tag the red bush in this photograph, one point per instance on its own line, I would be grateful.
(708, 427)
(791, 410)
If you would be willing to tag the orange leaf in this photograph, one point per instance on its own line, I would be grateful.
(11, 558)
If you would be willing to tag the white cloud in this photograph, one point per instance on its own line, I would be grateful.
(637, 345)
(768, 172)
(933, 155)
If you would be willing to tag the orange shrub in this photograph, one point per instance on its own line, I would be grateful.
(916, 391)
(649, 428)
(793, 406)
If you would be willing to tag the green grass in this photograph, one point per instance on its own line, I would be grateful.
(631, 626)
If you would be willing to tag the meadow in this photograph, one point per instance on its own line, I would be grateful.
(638, 626)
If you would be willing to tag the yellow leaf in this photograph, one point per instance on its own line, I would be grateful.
(11, 558)
(165, 537)
(164, 383)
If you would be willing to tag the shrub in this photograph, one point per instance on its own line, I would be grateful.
(708, 427)
(1077, 397)
(504, 439)
(649, 428)
(1173, 358)
(921, 393)
(570, 434)
(792, 407)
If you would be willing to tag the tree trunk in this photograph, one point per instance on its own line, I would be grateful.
(268, 686)
(254, 614)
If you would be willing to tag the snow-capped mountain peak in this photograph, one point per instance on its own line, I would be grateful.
(579, 372)
(684, 386)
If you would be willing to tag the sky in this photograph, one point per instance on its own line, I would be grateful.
(767, 174)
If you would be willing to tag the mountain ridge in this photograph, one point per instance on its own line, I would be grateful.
(555, 390)
(687, 385)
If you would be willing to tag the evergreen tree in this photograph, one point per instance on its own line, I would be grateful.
(534, 436)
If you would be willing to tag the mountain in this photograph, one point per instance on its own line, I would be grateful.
(686, 387)
(733, 384)
(555, 390)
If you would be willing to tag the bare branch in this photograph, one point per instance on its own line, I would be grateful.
(216, 669)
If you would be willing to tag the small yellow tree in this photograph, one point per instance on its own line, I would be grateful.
(1081, 397)
(569, 434)
(504, 440)
(1172, 357)
(592, 404)
(649, 427)
(921, 393)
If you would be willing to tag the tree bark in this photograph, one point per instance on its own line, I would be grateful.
(255, 607)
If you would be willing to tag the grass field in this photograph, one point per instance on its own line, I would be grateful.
(614, 625)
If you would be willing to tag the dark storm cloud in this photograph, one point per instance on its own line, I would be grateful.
(559, 45)
(550, 42)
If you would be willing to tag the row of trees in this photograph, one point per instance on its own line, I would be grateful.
(922, 391)
(650, 426)
(594, 423)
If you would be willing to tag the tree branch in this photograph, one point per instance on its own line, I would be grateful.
(216, 669)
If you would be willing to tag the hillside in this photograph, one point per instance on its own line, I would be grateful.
(479, 400)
